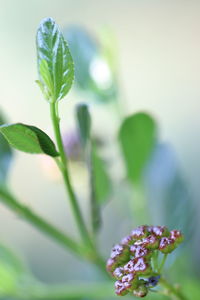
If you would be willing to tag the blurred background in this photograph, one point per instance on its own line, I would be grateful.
(142, 56)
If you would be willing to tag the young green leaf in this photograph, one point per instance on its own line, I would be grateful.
(137, 137)
(5, 154)
(55, 64)
(84, 123)
(28, 139)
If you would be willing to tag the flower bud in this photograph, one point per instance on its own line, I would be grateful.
(127, 240)
(150, 242)
(160, 231)
(111, 265)
(141, 291)
(167, 245)
(141, 267)
(120, 253)
(142, 252)
(120, 288)
(130, 281)
(139, 232)
(176, 236)
(129, 267)
(118, 273)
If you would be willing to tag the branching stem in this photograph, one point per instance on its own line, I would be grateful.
(64, 170)
(26, 213)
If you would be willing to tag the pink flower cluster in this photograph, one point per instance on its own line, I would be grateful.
(130, 262)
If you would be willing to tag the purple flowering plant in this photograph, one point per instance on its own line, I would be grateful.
(136, 264)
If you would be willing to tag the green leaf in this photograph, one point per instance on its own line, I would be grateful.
(55, 64)
(137, 137)
(28, 139)
(168, 193)
(5, 154)
(84, 123)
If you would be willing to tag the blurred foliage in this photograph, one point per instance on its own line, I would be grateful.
(99, 182)
(94, 66)
(169, 199)
(137, 137)
(101, 178)
(13, 273)
(83, 124)
(5, 154)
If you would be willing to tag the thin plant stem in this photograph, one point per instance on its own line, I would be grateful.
(162, 263)
(64, 170)
(171, 290)
(155, 260)
(61, 238)
(94, 256)
(26, 213)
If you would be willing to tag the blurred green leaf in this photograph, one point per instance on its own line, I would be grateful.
(169, 197)
(12, 272)
(137, 137)
(11, 260)
(93, 74)
(28, 139)
(5, 154)
(191, 288)
(84, 123)
(83, 49)
(99, 179)
(55, 64)
(109, 47)
(102, 181)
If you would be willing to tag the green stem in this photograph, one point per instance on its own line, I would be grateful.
(94, 256)
(47, 228)
(64, 170)
(38, 222)
(155, 260)
(162, 263)
(174, 292)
